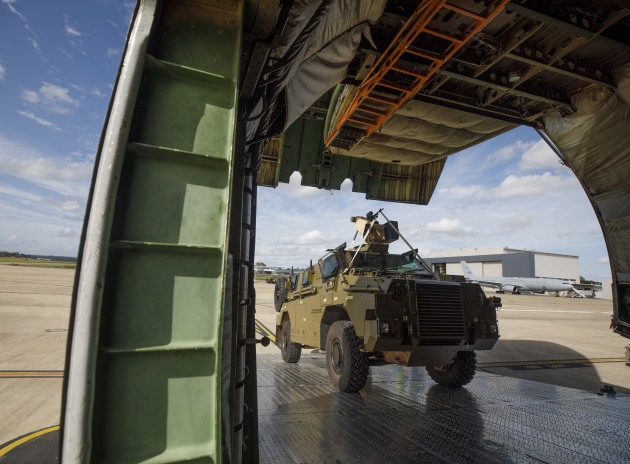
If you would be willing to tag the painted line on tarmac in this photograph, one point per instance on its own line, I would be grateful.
(4, 449)
(575, 311)
(30, 374)
(264, 331)
(37, 283)
(543, 364)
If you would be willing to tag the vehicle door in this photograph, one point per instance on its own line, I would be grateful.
(329, 267)
(305, 300)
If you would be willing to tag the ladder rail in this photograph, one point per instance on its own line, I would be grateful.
(388, 61)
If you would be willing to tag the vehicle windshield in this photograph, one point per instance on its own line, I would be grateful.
(383, 263)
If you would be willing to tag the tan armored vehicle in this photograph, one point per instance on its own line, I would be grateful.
(363, 304)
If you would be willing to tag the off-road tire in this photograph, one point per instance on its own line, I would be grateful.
(291, 352)
(280, 293)
(458, 372)
(347, 365)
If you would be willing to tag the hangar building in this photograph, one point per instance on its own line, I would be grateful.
(507, 262)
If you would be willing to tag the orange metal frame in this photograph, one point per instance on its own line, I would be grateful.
(415, 25)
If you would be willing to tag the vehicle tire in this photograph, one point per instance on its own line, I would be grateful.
(458, 372)
(347, 365)
(280, 293)
(291, 352)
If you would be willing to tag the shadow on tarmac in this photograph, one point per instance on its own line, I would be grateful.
(549, 363)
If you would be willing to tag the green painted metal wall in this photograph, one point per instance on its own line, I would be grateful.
(153, 378)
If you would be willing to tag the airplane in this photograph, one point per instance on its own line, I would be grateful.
(516, 284)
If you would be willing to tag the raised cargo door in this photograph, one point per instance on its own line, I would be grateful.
(144, 374)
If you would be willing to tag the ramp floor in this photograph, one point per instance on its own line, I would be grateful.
(402, 416)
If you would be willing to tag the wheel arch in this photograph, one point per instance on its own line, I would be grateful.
(331, 315)
(285, 317)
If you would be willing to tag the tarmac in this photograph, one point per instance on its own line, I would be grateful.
(564, 342)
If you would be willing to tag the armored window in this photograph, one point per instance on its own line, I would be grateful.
(294, 281)
(329, 266)
(305, 281)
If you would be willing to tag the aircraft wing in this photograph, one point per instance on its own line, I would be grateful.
(486, 283)
(510, 286)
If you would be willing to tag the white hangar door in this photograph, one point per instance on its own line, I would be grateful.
(493, 269)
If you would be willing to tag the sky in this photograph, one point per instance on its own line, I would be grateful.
(511, 191)
(58, 63)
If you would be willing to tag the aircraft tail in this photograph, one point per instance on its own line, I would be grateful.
(468, 273)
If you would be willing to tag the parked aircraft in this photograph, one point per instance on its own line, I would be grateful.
(516, 284)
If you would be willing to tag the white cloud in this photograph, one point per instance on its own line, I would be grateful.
(459, 192)
(96, 92)
(42, 199)
(62, 175)
(30, 96)
(508, 152)
(539, 156)
(72, 31)
(43, 168)
(112, 52)
(517, 222)
(52, 98)
(527, 186)
(35, 44)
(450, 227)
(70, 206)
(513, 186)
(68, 232)
(603, 260)
(312, 237)
(38, 120)
(52, 94)
(9, 5)
(3, 72)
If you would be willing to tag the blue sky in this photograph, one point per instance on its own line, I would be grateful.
(58, 62)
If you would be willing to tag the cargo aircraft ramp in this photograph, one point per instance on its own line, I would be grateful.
(402, 416)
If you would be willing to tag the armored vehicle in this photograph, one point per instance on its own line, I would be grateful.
(362, 304)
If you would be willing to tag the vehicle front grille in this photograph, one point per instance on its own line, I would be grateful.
(440, 311)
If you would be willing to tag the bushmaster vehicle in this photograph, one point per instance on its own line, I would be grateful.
(362, 302)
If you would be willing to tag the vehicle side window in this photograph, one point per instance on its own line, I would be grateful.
(329, 266)
(305, 282)
(294, 281)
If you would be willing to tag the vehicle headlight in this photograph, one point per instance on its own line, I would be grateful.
(386, 328)
(493, 328)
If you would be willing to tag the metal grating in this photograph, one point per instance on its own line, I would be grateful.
(440, 311)
(401, 416)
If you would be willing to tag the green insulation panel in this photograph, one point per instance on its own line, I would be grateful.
(302, 150)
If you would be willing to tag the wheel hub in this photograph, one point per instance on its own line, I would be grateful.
(336, 358)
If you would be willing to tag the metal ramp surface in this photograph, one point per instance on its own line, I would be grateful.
(402, 416)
